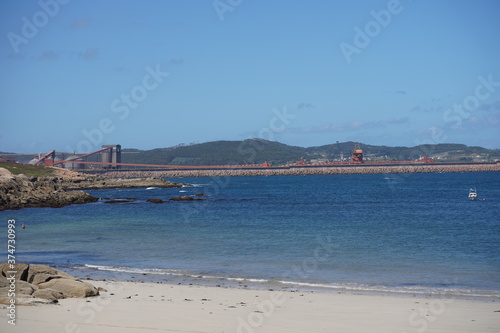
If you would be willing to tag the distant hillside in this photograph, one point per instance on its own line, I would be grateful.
(219, 153)
(257, 151)
(260, 151)
(442, 151)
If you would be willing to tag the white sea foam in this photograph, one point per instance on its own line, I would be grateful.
(353, 287)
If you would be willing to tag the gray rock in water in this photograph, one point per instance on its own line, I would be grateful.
(185, 198)
(155, 200)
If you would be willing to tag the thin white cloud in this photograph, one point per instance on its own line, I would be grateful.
(80, 23)
(351, 126)
(176, 61)
(478, 123)
(15, 56)
(47, 55)
(90, 54)
(304, 105)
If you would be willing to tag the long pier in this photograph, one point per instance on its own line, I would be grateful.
(306, 170)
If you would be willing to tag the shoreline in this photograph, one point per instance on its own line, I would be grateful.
(123, 274)
(145, 307)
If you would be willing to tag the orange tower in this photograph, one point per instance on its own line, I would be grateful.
(357, 154)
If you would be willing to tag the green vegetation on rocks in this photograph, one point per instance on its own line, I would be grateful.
(28, 170)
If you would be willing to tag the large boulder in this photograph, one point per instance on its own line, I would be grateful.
(70, 288)
(20, 269)
(48, 294)
(41, 284)
(22, 288)
(42, 273)
(3, 281)
(25, 288)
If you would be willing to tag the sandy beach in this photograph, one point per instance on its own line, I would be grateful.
(152, 307)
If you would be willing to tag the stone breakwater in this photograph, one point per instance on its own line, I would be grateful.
(326, 170)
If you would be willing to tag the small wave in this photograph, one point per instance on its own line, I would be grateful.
(420, 290)
(135, 270)
(353, 287)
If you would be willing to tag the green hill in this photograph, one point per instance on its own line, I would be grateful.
(219, 153)
(259, 151)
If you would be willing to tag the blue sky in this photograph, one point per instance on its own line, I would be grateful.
(77, 74)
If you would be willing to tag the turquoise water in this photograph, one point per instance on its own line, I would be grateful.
(406, 233)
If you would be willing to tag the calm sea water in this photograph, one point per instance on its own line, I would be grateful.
(405, 233)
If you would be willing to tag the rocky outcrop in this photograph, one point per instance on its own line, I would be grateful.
(19, 191)
(40, 284)
(155, 201)
(97, 182)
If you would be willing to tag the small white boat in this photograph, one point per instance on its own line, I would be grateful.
(472, 194)
(151, 188)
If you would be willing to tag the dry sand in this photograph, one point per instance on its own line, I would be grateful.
(149, 307)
